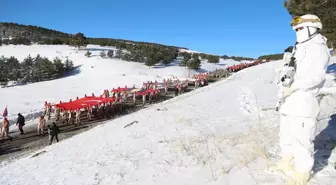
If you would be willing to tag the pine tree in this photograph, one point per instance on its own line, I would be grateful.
(68, 65)
(119, 53)
(78, 40)
(59, 66)
(28, 62)
(194, 63)
(225, 57)
(150, 62)
(110, 54)
(184, 63)
(5, 71)
(14, 65)
(213, 59)
(103, 54)
(47, 69)
(167, 60)
(325, 10)
(88, 54)
(26, 68)
(127, 57)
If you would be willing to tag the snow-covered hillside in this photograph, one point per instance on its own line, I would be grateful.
(222, 134)
(96, 74)
(188, 51)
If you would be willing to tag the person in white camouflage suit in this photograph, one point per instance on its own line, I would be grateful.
(300, 108)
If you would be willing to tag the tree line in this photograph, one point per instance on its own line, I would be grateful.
(144, 52)
(33, 69)
(271, 57)
(150, 54)
(325, 10)
(191, 60)
(40, 35)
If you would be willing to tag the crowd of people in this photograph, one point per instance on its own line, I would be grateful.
(52, 131)
(120, 96)
(151, 91)
(5, 126)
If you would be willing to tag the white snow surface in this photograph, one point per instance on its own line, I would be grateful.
(222, 134)
(95, 75)
(188, 51)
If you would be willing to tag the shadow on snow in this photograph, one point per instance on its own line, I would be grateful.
(325, 143)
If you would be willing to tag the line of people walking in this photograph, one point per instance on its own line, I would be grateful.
(52, 130)
(5, 127)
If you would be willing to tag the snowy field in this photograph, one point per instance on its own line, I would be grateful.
(94, 75)
(222, 134)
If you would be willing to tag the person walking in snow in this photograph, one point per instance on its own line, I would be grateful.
(89, 113)
(107, 110)
(53, 132)
(124, 97)
(78, 114)
(101, 111)
(45, 108)
(5, 129)
(299, 111)
(48, 111)
(57, 113)
(144, 99)
(21, 123)
(176, 89)
(41, 126)
(134, 97)
(70, 117)
(196, 83)
(151, 96)
(62, 115)
(165, 87)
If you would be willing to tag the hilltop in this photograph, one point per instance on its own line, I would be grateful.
(27, 34)
(42, 35)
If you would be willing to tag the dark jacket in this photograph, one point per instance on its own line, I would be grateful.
(21, 120)
(54, 130)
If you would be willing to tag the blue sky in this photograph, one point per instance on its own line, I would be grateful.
(238, 27)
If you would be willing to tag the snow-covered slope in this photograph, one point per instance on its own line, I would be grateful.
(223, 134)
(221, 60)
(95, 75)
(188, 51)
